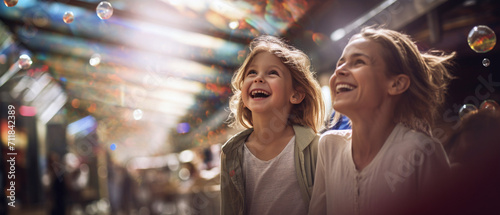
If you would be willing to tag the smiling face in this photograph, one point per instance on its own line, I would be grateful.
(359, 81)
(267, 85)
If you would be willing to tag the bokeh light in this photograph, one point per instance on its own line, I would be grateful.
(68, 17)
(184, 174)
(481, 39)
(467, 109)
(75, 103)
(318, 38)
(112, 146)
(104, 10)
(234, 25)
(10, 3)
(486, 62)
(3, 58)
(95, 60)
(138, 114)
(92, 108)
(489, 104)
(183, 128)
(173, 162)
(186, 156)
(25, 61)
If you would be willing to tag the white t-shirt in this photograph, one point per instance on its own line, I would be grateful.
(407, 160)
(271, 187)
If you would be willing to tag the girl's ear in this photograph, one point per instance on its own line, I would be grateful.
(399, 84)
(297, 97)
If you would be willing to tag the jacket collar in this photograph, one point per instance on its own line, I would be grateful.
(303, 137)
(236, 141)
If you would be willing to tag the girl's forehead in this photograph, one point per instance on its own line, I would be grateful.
(265, 57)
(364, 46)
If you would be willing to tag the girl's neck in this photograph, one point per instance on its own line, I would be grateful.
(269, 137)
(269, 129)
(368, 137)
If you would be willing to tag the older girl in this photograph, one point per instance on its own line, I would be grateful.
(390, 92)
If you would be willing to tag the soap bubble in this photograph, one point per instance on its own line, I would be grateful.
(104, 10)
(40, 19)
(489, 104)
(486, 62)
(466, 109)
(481, 39)
(28, 31)
(68, 17)
(10, 3)
(24, 61)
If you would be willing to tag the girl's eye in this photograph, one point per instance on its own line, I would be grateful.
(339, 64)
(273, 72)
(359, 62)
(251, 72)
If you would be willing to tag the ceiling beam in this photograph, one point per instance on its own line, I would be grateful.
(392, 14)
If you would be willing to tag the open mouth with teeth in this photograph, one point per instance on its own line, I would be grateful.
(341, 88)
(259, 94)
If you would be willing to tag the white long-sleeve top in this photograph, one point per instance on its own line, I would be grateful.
(407, 160)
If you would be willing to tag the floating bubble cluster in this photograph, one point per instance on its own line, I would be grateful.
(24, 61)
(10, 3)
(481, 39)
(68, 17)
(104, 10)
(466, 109)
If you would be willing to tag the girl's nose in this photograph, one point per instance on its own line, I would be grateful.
(258, 79)
(341, 71)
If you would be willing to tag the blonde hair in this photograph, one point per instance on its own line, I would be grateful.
(428, 73)
(309, 112)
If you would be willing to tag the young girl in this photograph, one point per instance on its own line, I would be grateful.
(390, 92)
(269, 168)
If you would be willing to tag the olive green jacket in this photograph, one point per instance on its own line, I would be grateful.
(233, 182)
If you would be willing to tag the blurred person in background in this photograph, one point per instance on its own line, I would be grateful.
(473, 187)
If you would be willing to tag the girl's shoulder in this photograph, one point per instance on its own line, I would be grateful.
(335, 138)
(411, 136)
(409, 140)
(236, 140)
(345, 134)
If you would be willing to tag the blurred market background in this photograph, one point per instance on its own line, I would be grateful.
(120, 106)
